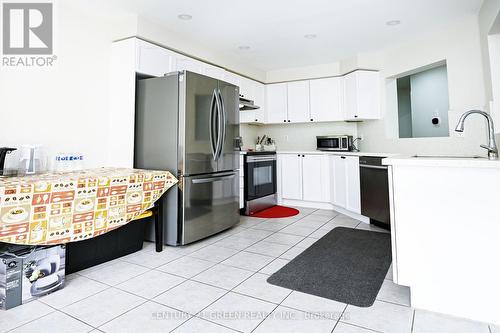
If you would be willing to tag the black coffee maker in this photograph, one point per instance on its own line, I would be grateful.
(3, 153)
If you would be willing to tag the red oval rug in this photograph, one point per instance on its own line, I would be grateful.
(276, 212)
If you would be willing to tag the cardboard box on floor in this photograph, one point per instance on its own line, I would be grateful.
(30, 272)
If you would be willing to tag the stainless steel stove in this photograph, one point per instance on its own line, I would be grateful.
(260, 181)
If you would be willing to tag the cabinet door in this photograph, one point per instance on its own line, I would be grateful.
(259, 100)
(291, 176)
(276, 103)
(248, 117)
(213, 71)
(339, 181)
(316, 180)
(361, 95)
(247, 88)
(353, 202)
(154, 60)
(232, 78)
(368, 94)
(326, 99)
(189, 64)
(349, 83)
(298, 102)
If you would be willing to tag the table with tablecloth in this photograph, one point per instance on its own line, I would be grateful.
(57, 208)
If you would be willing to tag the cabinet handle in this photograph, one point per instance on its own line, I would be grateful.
(284, 121)
(298, 155)
(312, 119)
(256, 119)
(342, 157)
(355, 116)
(303, 156)
(288, 120)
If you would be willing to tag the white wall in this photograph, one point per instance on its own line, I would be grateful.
(489, 28)
(301, 136)
(487, 16)
(64, 108)
(429, 99)
(459, 45)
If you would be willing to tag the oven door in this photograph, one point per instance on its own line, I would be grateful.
(260, 176)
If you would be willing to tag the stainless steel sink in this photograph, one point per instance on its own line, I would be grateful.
(448, 156)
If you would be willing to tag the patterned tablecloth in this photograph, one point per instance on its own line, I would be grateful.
(57, 208)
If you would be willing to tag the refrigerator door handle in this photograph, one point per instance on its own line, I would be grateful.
(220, 128)
(211, 125)
(212, 179)
(224, 123)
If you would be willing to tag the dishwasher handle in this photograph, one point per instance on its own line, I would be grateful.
(380, 167)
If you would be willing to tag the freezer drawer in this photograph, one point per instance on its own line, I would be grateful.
(210, 204)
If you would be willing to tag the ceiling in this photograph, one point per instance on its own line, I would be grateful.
(274, 29)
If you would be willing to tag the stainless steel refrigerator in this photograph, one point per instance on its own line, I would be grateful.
(188, 124)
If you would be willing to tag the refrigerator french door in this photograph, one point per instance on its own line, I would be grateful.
(192, 121)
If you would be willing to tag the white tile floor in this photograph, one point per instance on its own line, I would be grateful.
(219, 285)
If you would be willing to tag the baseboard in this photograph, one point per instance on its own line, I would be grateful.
(324, 205)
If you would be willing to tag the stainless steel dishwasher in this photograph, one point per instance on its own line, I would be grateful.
(375, 191)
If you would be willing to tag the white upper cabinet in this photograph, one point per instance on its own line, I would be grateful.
(246, 87)
(232, 78)
(291, 176)
(298, 101)
(276, 103)
(213, 71)
(361, 95)
(154, 60)
(189, 64)
(254, 91)
(315, 178)
(326, 99)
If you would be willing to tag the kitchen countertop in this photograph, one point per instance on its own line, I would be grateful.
(349, 153)
(442, 161)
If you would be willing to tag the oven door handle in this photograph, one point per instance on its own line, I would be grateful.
(260, 159)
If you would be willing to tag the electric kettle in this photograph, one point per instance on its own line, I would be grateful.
(32, 160)
(3, 153)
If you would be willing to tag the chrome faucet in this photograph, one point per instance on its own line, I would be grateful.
(492, 145)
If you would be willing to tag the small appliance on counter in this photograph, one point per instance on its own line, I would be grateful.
(4, 151)
(32, 160)
(265, 144)
(335, 143)
(260, 188)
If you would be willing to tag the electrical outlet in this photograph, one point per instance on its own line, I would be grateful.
(285, 137)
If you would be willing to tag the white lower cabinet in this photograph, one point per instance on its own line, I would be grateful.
(242, 182)
(345, 184)
(291, 176)
(339, 181)
(304, 177)
(315, 178)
